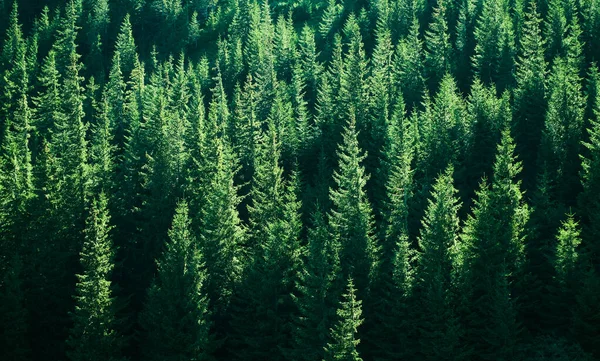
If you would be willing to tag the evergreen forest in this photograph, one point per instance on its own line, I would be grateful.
(299, 180)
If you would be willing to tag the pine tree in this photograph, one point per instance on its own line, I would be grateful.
(491, 257)
(589, 202)
(114, 92)
(444, 132)
(48, 103)
(409, 67)
(382, 97)
(530, 94)
(125, 47)
(102, 150)
(392, 326)
(351, 218)
(494, 51)
(563, 131)
(176, 316)
(317, 291)
(94, 335)
(434, 284)
(353, 91)
(488, 116)
(16, 175)
(344, 340)
(567, 273)
(222, 233)
(310, 67)
(438, 57)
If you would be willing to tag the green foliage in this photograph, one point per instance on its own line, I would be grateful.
(176, 316)
(434, 285)
(351, 218)
(94, 335)
(343, 335)
(315, 142)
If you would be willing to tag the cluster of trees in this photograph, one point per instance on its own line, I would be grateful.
(300, 180)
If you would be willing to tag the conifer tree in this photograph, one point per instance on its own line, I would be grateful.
(563, 131)
(409, 69)
(589, 201)
(567, 271)
(310, 67)
(125, 47)
(353, 90)
(491, 257)
(317, 291)
(351, 218)
(393, 287)
(114, 92)
(489, 115)
(382, 97)
(48, 103)
(102, 150)
(176, 316)
(344, 335)
(438, 327)
(94, 335)
(16, 172)
(263, 309)
(494, 53)
(438, 57)
(530, 94)
(444, 130)
(222, 233)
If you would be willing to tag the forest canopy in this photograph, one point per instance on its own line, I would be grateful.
(297, 180)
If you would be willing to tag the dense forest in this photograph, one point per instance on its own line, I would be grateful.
(296, 180)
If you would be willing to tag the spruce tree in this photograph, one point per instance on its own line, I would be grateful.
(222, 234)
(491, 257)
(438, 57)
(409, 67)
(94, 335)
(390, 300)
(317, 291)
(530, 94)
(16, 175)
(494, 53)
(438, 327)
(567, 273)
(351, 218)
(589, 201)
(176, 316)
(344, 335)
(563, 131)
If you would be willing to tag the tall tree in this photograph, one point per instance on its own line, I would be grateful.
(392, 325)
(344, 338)
(317, 290)
(530, 94)
(222, 234)
(176, 316)
(351, 218)
(94, 335)
(438, 326)
(409, 68)
(491, 257)
(438, 57)
(494, 53)
(563, 131)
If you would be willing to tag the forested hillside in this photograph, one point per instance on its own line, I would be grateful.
(297, 180)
